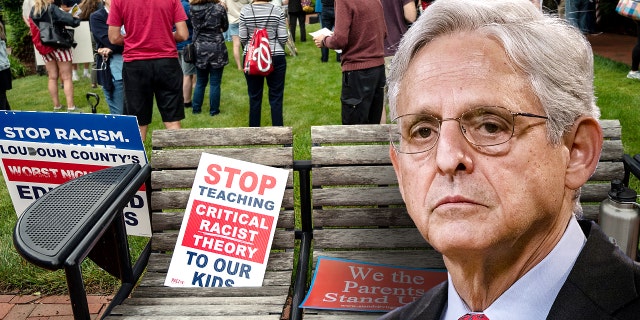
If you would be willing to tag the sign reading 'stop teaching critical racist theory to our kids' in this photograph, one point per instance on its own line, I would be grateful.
(228, 225)
(41, 150)
(341, 284)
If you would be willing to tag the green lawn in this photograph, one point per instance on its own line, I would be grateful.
(311, 98)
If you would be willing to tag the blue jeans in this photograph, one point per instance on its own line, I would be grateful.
(115, 98)
(581, 14)
(275, 82)
(213, 76)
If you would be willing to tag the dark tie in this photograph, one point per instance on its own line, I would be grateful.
(477, 316)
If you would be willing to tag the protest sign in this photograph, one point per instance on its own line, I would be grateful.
(341, 284)
(83, 52)
(41, 150)
(228, 225)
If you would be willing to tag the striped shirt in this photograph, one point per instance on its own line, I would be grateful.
(266, 15)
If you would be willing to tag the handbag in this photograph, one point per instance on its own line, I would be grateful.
(55, 36)
(307, 6)
(258, 61)
(189, 53)
(629, 9)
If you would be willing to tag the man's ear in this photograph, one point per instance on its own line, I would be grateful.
(393, 154)
(585, 145)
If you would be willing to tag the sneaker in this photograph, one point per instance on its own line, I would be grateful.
(633, 75)
(74, 76)
(57, 107)
(72, 108)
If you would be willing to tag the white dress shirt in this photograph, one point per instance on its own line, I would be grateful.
(530, 297)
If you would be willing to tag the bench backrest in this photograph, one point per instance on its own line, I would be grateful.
(174, 160)
(358, 212)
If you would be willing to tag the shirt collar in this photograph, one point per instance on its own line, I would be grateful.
(531, 296)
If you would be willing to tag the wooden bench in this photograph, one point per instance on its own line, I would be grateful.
(174, 160)
(358, 212)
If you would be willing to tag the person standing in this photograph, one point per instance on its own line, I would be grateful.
(88, 7)
(359, 32)
(108, 60)
(582, 15)
(297, 16)
(5, 70)
(188, 69)
(57, 60)
(233, 15)
(262, 14)
(151, 68)
(635, 56)
(398, 15)
(328, 20)
(209, 19)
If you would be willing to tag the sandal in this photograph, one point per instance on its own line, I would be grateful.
(57, 107)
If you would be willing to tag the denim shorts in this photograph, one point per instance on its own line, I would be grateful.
(234, 29)
(188, 69)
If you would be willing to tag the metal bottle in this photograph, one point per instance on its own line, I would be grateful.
(620, 218)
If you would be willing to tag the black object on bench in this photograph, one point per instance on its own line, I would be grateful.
(83, 218)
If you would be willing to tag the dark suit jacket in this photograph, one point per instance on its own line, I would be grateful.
(603, 284)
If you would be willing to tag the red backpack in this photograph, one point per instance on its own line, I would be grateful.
(257, 61)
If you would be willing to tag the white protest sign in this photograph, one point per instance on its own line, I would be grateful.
(41, 150)
(228, 225)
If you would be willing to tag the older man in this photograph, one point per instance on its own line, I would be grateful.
(495, 137)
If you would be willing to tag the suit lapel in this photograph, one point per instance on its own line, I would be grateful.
(600, 283)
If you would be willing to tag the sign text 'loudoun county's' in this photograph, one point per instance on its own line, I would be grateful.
(41, 150)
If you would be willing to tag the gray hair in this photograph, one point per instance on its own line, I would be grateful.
(554, 55)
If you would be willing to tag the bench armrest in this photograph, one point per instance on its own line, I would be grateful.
(80, 218)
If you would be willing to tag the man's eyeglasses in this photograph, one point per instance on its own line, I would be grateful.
(483, 127)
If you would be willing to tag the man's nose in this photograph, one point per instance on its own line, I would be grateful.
(452, 149)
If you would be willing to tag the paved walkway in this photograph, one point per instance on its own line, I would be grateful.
(12, 307)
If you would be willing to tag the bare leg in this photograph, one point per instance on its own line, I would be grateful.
(65, 75)
(187, 87)
(143, 132)
(236, 51)
(52, 85)
(172, 125)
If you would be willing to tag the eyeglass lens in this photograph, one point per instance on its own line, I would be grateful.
(484, 126)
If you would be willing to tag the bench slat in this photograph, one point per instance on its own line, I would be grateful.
(189, 158)
(278, 261)
(172, 220)
(178, 199)
(200, 310)
(394, 238)
(167, 241)
(168, 178)
(196, 137)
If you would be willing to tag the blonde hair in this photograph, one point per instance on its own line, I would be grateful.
(40, 6)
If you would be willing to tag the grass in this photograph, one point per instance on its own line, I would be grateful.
(312, 97)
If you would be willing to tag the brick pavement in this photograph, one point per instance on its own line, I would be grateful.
(33, 307)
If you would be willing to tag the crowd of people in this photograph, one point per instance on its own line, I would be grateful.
(364, 35)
